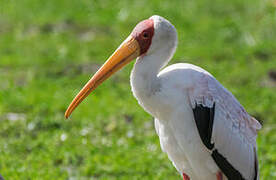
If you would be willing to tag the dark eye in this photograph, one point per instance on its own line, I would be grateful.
(145, 35)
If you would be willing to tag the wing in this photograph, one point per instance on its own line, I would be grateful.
(225, 128)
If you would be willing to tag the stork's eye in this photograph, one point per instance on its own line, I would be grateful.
(145, 35)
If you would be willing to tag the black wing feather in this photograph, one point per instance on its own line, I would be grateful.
(204, 118)
(228, 170)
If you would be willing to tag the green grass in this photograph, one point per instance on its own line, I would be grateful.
(49, 49)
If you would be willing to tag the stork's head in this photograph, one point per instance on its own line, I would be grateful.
(148, 37)
(155, 33)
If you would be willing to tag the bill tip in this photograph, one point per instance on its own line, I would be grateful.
(66, 115)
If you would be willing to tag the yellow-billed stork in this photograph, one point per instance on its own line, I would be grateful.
(202, 127)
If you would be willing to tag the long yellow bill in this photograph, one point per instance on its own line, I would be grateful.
(127, 51)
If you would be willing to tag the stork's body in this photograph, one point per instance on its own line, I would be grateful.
(201, 126)
(174, 123)
(180, 88)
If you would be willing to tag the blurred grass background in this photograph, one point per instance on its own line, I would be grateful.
(50, 48)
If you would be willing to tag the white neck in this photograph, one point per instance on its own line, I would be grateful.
(143, 79)
(144, 76)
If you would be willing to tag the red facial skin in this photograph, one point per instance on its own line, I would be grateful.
(143, 33)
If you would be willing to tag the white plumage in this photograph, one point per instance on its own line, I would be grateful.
(171, 95)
